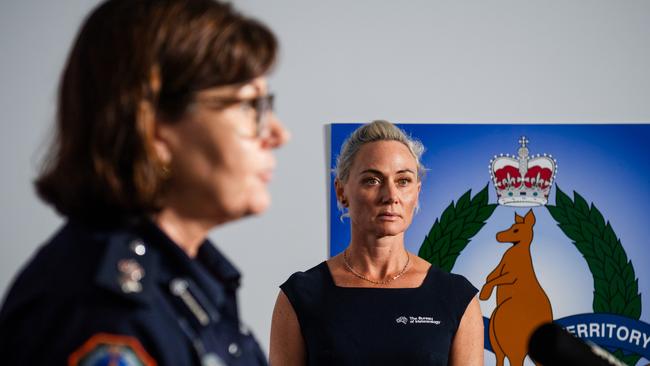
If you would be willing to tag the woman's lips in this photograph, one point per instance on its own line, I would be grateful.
(388, 216)
(266, 176)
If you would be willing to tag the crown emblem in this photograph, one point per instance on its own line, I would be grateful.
(523, 180)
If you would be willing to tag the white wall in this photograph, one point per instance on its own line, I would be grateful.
(345, 61)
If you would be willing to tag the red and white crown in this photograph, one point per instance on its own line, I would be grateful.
(523, 180)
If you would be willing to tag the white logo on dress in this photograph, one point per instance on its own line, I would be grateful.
(417, 320)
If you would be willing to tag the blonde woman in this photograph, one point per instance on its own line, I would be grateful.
(376, 303)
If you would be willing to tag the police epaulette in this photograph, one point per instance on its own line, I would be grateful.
(127, 268)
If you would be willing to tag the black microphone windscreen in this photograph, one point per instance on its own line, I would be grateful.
(551, 345)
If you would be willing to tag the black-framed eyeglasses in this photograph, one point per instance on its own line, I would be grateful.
(263, 106)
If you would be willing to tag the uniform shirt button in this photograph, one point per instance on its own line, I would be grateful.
(234, 350)
(211, 359)
(137, 246)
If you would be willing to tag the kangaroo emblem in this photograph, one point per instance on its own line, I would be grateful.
(522, 304)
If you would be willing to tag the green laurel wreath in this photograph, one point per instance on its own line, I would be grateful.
(456, 227)
(615, 284)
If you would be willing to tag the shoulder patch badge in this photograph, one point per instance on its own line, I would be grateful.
(111, 349)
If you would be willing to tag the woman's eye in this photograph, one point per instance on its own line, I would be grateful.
(246, 106)
(403, 181)
(371, 181)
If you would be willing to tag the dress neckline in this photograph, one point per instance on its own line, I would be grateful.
(330, 279)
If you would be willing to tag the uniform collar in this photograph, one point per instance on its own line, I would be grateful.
(219, 265)
(208, 255)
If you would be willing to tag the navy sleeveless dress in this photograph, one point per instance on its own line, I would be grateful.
(378, 326)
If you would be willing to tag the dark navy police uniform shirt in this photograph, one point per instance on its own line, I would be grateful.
(378, 326)
(129, 296)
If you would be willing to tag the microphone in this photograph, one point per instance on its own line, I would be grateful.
(551, 345)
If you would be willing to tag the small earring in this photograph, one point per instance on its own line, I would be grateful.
(344, 202)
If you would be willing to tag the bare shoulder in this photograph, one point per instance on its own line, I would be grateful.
(287, 346)
(467, 345)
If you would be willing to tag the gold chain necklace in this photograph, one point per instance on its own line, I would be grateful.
(384, 282)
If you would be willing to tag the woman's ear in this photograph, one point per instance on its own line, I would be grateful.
(161, 148)
(162, 139)
(153, 132)
(340, 192)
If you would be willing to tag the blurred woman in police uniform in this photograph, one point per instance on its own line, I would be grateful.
(165, 130)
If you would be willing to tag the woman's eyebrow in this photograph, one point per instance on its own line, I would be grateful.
(405, 171)
(371, 171)
(375, 171)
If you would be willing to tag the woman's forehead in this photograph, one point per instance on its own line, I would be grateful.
(384, 156)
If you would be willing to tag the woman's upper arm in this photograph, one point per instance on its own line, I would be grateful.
(467, 345)
(287, 344)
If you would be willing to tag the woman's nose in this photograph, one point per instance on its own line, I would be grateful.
(278, 134)
(389, 193)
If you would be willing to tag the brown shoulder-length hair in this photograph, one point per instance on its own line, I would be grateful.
(135, 62)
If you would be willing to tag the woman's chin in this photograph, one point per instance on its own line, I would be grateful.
(390, 230)
(246, 206)
(259, 203)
